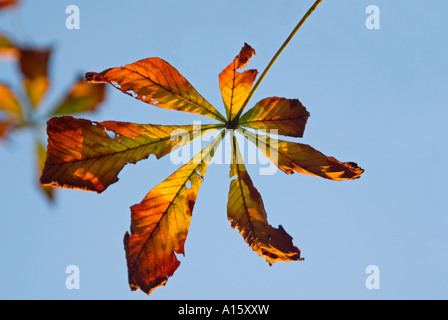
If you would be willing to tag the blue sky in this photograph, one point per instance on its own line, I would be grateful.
(376, 97)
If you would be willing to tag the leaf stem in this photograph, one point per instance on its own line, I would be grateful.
(288, 40)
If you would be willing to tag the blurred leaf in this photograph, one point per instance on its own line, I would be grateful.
(288, 116)
(4, 4)
(160, 224)
(5, 128)
(83, 97)
(33, 65)
(34, 68)
(9, 102)
(7, 48)
(246, 212)
(236, 86)
(156, 82)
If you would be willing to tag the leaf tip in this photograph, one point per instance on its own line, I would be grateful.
(94, 77)
(353, 171)
(246, 53)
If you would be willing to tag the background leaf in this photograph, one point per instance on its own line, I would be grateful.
(9, 102)
(4, 4)
(34, 68)
(5, 128)
(83, 97)
(7, 48)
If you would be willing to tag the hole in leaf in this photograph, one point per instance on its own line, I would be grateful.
(200, 175)
(115, 84)
(111, 134)
(188, 184)
(179, 256)
(132, 93)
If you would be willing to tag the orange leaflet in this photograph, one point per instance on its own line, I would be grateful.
(89, 155)
(246, 212)
(160, 224)
(156, 82)
(236, 86)
(34, 68)
(287, 116)
(293, 157)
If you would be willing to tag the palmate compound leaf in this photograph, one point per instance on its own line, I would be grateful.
(246, 213)
(156, 82)
(160, 224)
(87, 155)
(236, 86)
(293, 157)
